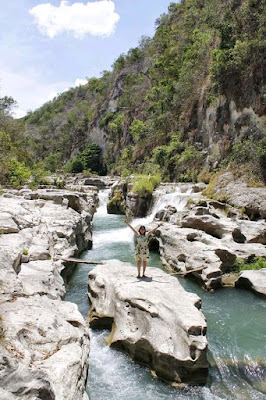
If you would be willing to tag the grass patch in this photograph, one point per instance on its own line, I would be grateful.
(210, 189)
(255, 264)
(145, 184)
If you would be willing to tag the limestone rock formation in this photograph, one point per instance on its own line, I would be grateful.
(124, 201)
(205, 242)
(44, 342)
(153, 319)
(238, 194)
(137, 205)
(79, 201)
(101, 182)
(254, 280)
(44, 349)
(117, 198)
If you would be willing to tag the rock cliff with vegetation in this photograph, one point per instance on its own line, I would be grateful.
(185, 103)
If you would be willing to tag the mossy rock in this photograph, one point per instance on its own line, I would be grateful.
(117, 204)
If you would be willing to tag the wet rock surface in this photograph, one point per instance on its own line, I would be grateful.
(153, 319)
(44, 342)
(206, 238)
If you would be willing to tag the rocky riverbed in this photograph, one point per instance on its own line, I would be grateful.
(44, 342)
(205, 240)
(205, 237)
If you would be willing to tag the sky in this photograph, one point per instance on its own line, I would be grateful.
(48, 46)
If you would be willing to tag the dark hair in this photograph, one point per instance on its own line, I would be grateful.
(142, 226)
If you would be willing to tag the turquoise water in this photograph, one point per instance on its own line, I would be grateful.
(236, 322)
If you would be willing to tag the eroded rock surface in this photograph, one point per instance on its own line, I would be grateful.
(253, 280)
(238, 194)
(206, 238)
(153, 319)
(44, 342)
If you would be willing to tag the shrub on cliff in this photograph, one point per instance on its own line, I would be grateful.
(145, 184)
(15, 158)
(249, 158)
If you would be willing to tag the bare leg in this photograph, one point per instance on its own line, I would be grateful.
(138, 266)
(144, 267)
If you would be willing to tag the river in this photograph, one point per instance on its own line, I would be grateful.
(236, 321)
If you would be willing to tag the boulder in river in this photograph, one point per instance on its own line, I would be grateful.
(254, 280)
(153, 319)
(137, 205)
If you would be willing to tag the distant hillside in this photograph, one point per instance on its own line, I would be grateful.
(185, 103)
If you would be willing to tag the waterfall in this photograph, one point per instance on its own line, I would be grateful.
(103, 199)
(106, 235)
(176, 198)
(169, 195)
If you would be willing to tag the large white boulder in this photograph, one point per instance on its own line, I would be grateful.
(44, 350)
(205, 241)
(153, 319)
(253, 280)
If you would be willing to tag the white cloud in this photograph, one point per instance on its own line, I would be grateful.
(79, 82)
(19, 113)
(28, 89)
(97, 18)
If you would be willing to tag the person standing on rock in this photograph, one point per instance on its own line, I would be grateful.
(142, 247)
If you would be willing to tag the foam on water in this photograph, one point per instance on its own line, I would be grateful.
(114, 376)
(103, 199)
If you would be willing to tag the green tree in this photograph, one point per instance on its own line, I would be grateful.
(18, 173)
(6, 104)
(138, 129)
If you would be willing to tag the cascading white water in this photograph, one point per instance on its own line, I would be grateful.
(103, 199)
(177, 199)
(121, 234)
(167, 196)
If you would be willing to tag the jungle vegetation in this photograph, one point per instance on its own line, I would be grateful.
(205, 54)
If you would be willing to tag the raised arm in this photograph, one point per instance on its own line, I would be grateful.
(131, 227)
(153, 230)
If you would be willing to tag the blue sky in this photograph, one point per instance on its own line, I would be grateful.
(47, 46)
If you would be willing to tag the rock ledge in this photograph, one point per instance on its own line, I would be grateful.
(153, 319)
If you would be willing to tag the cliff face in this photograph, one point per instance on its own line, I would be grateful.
(180, 103)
